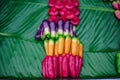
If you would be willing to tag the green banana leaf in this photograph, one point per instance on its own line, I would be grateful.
(21, 55)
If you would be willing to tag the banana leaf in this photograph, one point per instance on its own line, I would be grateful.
(21, 55)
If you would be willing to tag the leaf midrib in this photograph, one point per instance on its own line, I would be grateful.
(10, 35)
(17, 36)
(25, 2)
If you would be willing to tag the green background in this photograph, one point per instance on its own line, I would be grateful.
(21, 55)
